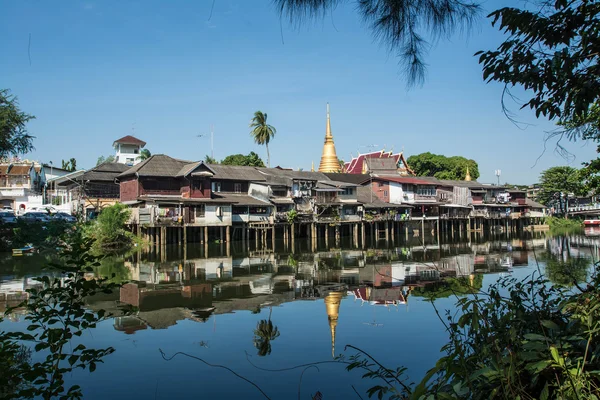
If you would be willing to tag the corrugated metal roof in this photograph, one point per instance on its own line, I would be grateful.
(105, 172)
(236, 173)
(157, 165)
(188, 168)
(357, 179)
(534, 204)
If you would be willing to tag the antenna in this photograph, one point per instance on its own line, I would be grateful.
(212, 152)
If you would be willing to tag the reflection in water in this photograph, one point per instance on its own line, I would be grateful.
(167, 289)
(264, 334)
(332, 305)
(178, 300)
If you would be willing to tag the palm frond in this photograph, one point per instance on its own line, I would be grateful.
(399, 24)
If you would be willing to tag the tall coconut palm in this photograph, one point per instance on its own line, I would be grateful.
(144, 155)
(264, 333)
(262, 132)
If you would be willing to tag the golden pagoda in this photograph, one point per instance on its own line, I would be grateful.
(468, 176)
(332, 305)
(329, 159)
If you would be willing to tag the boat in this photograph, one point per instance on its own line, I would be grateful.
(23, 250)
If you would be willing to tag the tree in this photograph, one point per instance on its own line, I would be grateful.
(262, 132)
(252, 160)
(14, 137)
(103, 159)
(557, 180)
(70, 165)
(552, 53)
(442, 167)
(144, 155)
(401, 25)
(209, 160)
(57, 312)
(264, 333)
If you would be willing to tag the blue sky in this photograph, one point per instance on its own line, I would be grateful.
(162, 70)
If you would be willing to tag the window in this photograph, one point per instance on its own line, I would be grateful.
(200, 211)
(237, 187)
(425, 190)
(136, 151)
(196, 185)
(216, 186)
(385, 193)
(380, 184)
(348, 192)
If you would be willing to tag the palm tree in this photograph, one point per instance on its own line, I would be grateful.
(262, 132)
(264, 333)
(144, 155)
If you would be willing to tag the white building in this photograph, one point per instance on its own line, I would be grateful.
(21, 185)
(128, 150)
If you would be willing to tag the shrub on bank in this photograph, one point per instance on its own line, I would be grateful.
(109, 230)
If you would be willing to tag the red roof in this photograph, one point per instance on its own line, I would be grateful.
(404, 179)
(130, 140)
(356, 164)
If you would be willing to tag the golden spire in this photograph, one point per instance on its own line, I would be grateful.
(312, 167)
(468, 176)
(329, 159)
(332, 305)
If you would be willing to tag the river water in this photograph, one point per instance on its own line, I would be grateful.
(210, 306)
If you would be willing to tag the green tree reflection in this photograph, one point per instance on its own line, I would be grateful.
(113, 265)
(264, 333)
(565, 270)
(450, 286)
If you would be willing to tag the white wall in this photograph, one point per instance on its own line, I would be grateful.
(396, 193)
(125, 151)
(259, 191)
(211, 218)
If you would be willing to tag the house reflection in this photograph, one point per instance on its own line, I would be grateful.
(163, 291)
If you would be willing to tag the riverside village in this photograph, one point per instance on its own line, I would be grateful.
(220, 200)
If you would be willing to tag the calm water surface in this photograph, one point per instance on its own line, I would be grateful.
(209, 306)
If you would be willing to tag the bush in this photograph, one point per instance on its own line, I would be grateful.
(109, 229)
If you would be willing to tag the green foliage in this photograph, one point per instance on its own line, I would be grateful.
(103, 159)
(522, 339)
(47, 235)
(449, 287)
(264, 333)
(252, 160)
(70, 165)
(442, 167)
(552, 53)
(561, 226)
(565, 270)
(292, 216)
(57, 313)
(563, 179)
(109, 229)
(14, 137)
(144, 154)
(261, 132)
(209, 160)
(400, 25)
